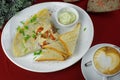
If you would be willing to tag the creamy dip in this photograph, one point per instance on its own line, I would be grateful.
(66, 17)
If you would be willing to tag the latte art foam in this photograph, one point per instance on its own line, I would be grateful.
(107, 60)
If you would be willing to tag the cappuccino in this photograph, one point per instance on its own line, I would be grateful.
(107, 60)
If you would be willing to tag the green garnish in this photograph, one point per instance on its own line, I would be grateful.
(33, 18)
(34, 34)
(26, 37)
(37, 52)
(21, 30)
(85, 29)
(18, 28)
(26, 27)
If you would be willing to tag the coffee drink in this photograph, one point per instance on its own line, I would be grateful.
(107, 60)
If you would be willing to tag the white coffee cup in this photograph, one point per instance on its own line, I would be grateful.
(106, 61)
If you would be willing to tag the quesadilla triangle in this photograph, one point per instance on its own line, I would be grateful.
(34, 34)
(58, 47)
(69, 39)
(49, 55)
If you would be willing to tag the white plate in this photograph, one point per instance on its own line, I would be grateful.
(27, 62)
(88, 72)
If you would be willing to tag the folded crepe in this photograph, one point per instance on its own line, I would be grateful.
(61, 49)
(58, 47)
(33, 34)
(69, 39)
(50, 55)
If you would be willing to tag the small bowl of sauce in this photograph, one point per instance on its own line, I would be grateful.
(67, 16)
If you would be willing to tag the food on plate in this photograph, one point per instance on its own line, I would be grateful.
(48, 55)
(58, 47)
(64, 46)
(34, 34)
(39, 36)
(69, 39)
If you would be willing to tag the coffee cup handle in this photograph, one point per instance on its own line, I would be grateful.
(105, 78)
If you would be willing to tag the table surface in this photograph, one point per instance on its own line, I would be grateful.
(106, 30)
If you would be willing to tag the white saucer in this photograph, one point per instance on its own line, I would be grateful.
(88, 72)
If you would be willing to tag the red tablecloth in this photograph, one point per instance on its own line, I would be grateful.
(106, 27)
